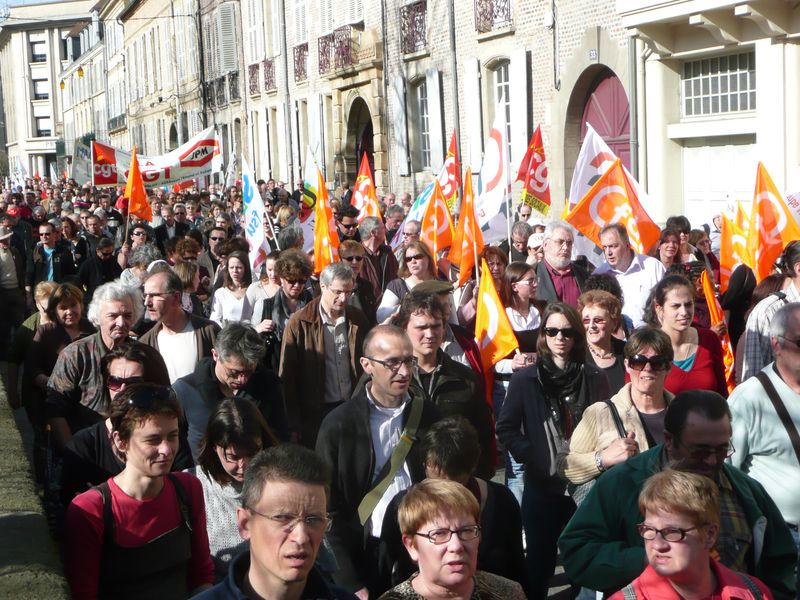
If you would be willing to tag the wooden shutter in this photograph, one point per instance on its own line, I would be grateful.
(400, 124)
(433, 78)
(226, 32)
(472, 109)
(519, 78)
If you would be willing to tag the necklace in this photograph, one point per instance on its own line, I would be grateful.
(600, 355)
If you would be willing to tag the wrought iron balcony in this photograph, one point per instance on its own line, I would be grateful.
(269, 73)
(117, 122)
(234, 93)
(413, 27)
(252, 79)
(344, 49)
(325, 48)
(219, 87)
(301, 62)
(492, 14)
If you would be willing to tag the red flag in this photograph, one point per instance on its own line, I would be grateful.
(468, 239)
(436, 229)
(364, 197)
(450, 175)
(135, 192)
(533, 172)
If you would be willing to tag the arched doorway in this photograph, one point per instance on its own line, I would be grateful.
(360, 139)
(607, 110)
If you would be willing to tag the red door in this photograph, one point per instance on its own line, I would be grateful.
(608, 112)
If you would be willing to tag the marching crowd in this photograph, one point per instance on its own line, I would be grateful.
(204, 430)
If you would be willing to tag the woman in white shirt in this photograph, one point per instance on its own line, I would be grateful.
(417, 265)
(230, 303)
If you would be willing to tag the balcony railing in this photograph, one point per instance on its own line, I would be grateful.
(234, 93)
(492, 14)
(344, 47)
(269, 73)
(412, 27)
(325, 49)
(210, 92)
(301, 62)
(220, 88)
(252, 79)
(117, 122)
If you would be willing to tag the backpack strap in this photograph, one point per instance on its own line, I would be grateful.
(108, 514)
(780, 408)
(628, 593)
(183, 503)
(751, 585)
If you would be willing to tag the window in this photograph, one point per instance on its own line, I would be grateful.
(41, 89)
(38, 52)
(424, 127)
(44, 126)
(503, 100)
(719, 85)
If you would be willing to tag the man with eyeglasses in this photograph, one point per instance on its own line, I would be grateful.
(352, 253)
(601, 548)
(411, 231)
(99, 269)
(637, 274)
(284, 518)
(48, 261)
(233, 370)
(769, 451)
(371, 442)
(321, 349)
(347, 224)
(381, 265)
(560, 279)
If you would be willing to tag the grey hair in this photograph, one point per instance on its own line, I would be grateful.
(554, 226)
(394, 209)
(335, 271)
(417, 224)
(241, 341)
(368, 225)
(780, 321)
(111, 292)
(145, 255)
(521, 227)
(290, 237)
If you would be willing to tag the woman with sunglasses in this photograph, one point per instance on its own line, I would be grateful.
(416, 265)
(137, 237)
(544, 404)
(601, 313)
(698, 352)
(270, 315)
(142, 533)
(596, 445)
(90, 457)
(353, 253)
(230, 304)
(236, 432)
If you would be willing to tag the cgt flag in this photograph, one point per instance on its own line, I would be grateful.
(468, 239)
(732, 251)
(450, 175)
(493, 332)
(135, 192)
(326, 239)
(364, 197)
(533, 174)
(612, 200)
(437, 227)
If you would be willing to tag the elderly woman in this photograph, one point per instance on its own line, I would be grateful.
(229, 302)
(680, 528)
(142, 533)
(601, 313)
(597, 443)
(417, 265)
(140, 258)
(544, 404)
(698, 352)
(236, 432)
(441, 532)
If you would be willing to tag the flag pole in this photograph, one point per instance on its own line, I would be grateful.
(272, 229)
(508, 189)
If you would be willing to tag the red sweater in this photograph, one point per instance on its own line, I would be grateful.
(708, 370)
(136, 523)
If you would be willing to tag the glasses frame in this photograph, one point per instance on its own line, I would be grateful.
(566, 332)
(648, 360)
(410, 362)
(288, 525)
(703, 453)
(430, 535)
(666, 532)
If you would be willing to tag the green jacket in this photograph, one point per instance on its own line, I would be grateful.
(602, 550)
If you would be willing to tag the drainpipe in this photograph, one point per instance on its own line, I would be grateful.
(286, 97)
(384, 118)
(454, 80)
(633, 97)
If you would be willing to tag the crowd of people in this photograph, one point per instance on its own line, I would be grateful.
(203, 428)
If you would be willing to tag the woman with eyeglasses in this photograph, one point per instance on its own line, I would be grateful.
(90, 457)
(680, 529)
(229, 302)
(596, 445)
(416, 265)
(698, 353)
(601, 313)
(440, 520)
(235, 433)
(352, 253)
(270, 315)
(544, 404)
(142, 533)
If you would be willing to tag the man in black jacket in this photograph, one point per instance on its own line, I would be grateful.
(98, 269)
(560, 279)
(49, 261)
(170, 228)
(358, 440)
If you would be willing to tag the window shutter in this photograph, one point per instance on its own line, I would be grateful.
(472, 109)
(226, 35)
(314, 128)
(400, 125)
(435, 118)
(325, 16)
(300, 33)
(519, 76)
(276, 28)
(354, 11)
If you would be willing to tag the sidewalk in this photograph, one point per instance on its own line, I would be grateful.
(29, 563)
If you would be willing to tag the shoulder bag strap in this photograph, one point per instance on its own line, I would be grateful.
(780, 408)
(628, 593)
(108, 514)
(399, 454)
(751, 585)
(183, 502)
(617, 419)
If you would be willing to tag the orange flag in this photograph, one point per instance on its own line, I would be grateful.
(468, 239)
(613, 199)
(326, 240)
(493, 332)
(437, 228)
(364, 197)
(741, 218)
(732, 251)
(135, 192)
(772, 226)
(533, 172)
(715, 311)
(450, 175)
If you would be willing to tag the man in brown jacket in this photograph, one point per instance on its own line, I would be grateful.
(321, 349)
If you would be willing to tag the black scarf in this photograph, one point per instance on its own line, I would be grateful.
(564, 392)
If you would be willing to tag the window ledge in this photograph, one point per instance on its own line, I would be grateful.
(496, 33)
(412, 56)
(713, 127)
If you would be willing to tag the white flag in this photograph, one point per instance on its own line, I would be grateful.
(230, 173)
(254, 217)
(495, 174)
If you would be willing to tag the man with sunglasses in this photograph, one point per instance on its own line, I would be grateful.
(99, 269)
(371, 460)
(601, 548)
(48, 261)
(381, 265)
(347, 223)
(352, 253)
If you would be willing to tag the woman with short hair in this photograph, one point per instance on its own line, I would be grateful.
(601, 313)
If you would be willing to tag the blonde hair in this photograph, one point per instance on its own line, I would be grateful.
(689, 494)
(43, 291)
(434, 497)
